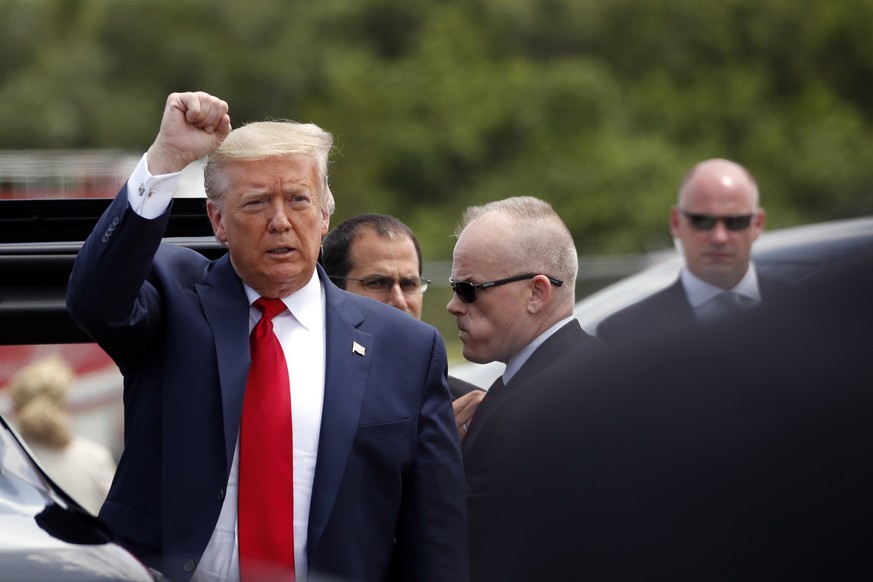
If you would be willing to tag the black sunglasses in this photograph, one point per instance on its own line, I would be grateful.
(467, 291)
(708, 222)
(409, 286)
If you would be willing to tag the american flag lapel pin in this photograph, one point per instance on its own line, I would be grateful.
(358, 349)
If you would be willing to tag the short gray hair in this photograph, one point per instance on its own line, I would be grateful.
(542, 242)
(267, 139)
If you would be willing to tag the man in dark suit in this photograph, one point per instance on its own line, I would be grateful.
(740, 451)
(377, 479)
(715, 223)
(514, 272)
(378, 256)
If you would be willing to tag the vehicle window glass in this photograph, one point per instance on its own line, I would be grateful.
(24, 491)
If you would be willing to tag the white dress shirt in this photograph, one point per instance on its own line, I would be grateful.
(301, 333)
(699, 292)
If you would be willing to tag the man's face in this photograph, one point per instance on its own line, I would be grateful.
(496, 326)
(372, 255)
(272, 220)
(719, 256)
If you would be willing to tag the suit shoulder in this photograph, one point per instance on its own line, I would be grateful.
(659, 308)
(773, 289)
(379, 315)
(182, 262)
(633, 310)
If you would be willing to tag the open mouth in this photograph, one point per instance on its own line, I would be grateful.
(279, 251)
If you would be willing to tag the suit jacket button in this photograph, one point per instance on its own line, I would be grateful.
(115, 221)
(220, 495)
(188, 566)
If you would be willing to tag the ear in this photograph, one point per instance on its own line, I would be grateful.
(541, 290)
(215, 218)
(760, 220)
(674, 221)
(325, 223)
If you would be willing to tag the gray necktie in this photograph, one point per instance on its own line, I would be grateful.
(724, 303)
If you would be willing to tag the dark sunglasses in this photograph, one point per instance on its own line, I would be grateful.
(708, 222)
(467, 291)
(409, 286)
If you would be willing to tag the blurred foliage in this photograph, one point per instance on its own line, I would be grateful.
(598, 107)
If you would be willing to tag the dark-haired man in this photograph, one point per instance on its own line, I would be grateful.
(378, 256)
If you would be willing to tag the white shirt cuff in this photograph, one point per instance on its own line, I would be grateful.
(149, 196)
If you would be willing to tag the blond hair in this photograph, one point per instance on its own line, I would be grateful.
(269, 139)
(39, 396)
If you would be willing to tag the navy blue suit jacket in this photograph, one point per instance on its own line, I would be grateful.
(388, 492)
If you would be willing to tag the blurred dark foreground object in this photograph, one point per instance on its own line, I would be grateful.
(737, 451)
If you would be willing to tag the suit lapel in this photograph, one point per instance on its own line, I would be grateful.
(346, 374)
(348, 358)
(225, 308)
(551, 350)
(676, 310)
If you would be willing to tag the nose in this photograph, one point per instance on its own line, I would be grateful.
(395, 296)
(455, 306)
(720, 232)
(278, 216)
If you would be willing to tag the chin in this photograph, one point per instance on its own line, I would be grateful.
(476, 359)
(291, 273)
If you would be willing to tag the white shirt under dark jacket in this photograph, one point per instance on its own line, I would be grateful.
(699, 292)
(301, 333)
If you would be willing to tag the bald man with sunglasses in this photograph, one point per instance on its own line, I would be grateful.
(714, 223)
(514, 270)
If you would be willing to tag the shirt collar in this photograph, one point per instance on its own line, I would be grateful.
(306, 304)
(516, 362)
(699, 291)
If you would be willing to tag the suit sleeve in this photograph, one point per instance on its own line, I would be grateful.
(432, 533)
(108, 294)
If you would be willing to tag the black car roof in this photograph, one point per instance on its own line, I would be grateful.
(39, 240)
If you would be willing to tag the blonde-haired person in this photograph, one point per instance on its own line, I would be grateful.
(82, 467)
(339, 459)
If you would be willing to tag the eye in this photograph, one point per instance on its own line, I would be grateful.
(410, 284)
(378, 284)
(298, 199)
(253, 203)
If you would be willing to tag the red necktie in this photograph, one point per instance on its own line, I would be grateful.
(266, 464)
